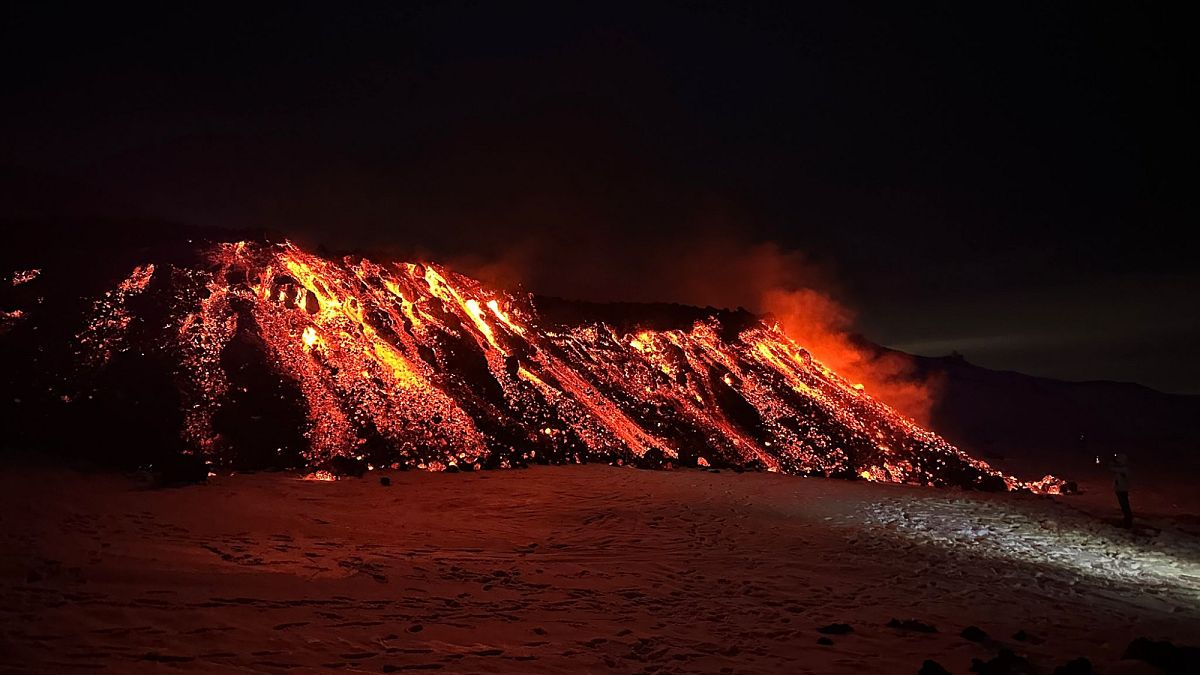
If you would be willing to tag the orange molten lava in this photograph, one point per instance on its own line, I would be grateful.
(413, 364)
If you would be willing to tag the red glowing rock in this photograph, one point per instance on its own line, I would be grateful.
(285, 358)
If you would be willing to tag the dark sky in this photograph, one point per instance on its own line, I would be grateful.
(1013, 182)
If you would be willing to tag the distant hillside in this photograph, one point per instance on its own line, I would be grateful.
(1022, 422)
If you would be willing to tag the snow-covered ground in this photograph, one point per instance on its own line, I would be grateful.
(572, 569)
(1048, 546)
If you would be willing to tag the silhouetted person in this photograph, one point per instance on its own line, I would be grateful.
(1120, 469)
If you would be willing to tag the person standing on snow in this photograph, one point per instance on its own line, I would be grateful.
(1120, 470)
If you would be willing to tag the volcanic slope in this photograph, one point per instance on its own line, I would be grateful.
(262, 355)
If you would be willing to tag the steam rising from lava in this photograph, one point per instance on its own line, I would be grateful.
(713, 268)
(414, 365)
(786, 284)
(823, 326)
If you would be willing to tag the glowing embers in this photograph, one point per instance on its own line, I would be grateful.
(412, 364)
(472, 307)
(309, 336)
(455, 297)
(643, 341)
(105, 333)
(21, 277)
(359, 376)
(494, 305)
(1049, 485)
(399, 367)
(9, 319)
(137, 280)
(887, 473)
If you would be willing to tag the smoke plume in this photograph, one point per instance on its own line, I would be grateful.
(716, 269)
(799, 293)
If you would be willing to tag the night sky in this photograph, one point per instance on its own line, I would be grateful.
(1014, 183)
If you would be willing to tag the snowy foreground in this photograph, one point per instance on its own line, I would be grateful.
(572, 569)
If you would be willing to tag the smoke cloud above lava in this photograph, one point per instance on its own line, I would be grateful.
(715, 269)
(800, 294)
(823, 326)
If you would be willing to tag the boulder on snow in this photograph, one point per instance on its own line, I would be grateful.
(974, 634)
(1164, 655)
(931, 667)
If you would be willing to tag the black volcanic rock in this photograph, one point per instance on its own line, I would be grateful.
(974, 634)
(257, 355)
(1164, 655)
(931, 667)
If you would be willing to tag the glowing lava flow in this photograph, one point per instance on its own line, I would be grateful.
(405, 364)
